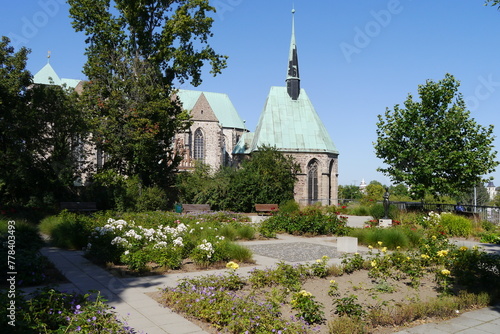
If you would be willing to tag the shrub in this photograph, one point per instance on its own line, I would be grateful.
(307, 307)
(391, 237)
(347, 325)
(457, 226)
(377, 211)
(289, 206)
(310, 220)
(51, 311)
(359, 210)
(67, 230)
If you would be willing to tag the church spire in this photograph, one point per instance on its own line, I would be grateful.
(292, 79)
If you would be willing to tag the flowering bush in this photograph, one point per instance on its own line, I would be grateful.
(52, 311)
(307, 307)
(137, 246)
(213, 298)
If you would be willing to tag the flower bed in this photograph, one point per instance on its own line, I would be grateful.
(204, 240)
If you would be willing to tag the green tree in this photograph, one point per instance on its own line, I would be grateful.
(399, 192)
(481, 195)
(349, 192)
(136, 51)
(433, 145)
(373, 192)
(41, 135)
(496, 200)
(268, 176)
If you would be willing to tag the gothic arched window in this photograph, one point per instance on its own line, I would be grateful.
(312, 181)
(199, 145)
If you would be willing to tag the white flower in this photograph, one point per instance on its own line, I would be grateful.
(178, 242)
(119, 241)
(161, 244)
(126, 252)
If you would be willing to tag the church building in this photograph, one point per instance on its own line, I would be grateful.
(218, 136)
(216, 128)
(290, 123)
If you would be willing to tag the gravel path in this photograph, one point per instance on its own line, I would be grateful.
(295, 251)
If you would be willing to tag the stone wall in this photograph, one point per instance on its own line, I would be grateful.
(327, 177)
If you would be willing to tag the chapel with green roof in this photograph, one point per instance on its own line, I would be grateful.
(290, 123)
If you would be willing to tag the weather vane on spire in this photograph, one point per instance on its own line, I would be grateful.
(48, 56)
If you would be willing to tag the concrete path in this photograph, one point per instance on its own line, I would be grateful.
(130, 299)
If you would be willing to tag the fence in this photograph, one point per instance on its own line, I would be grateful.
(489, 213)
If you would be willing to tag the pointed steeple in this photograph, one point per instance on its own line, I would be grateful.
(292, 79)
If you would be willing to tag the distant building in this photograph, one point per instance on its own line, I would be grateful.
(362, 186)
(47, 76)
(290, 123)
(492, 190)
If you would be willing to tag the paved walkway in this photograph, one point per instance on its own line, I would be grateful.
(130, 299)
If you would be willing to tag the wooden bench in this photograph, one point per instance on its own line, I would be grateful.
(195, 207)
(78, 206)
(266, 209)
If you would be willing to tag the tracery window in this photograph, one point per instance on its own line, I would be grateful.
(199, 145)
(312, 181)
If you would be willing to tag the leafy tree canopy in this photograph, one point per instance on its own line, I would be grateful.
(432, 144)
(137, 51)
(40, 132)
(268, 176)
(349, 192)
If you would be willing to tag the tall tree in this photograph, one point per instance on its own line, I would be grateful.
(39, 131)
(432, 144)
(137, 50)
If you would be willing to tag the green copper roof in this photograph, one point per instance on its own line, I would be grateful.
(220, 103)
(244, 145)
(291, 125)
(47, 76)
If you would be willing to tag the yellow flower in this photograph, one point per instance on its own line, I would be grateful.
(398, 247)
(332, 281)
(424, 256)
(318, 261)
(232, 265)
(325, 257)
(445, 272)
(305, 293)
(384, 249)
(380, 243)
(434, 237)
(463, 248)
(408, 258)
(374, 263)
(442, 253)
(371, 247)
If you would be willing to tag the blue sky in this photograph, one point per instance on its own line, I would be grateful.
(356, 59)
